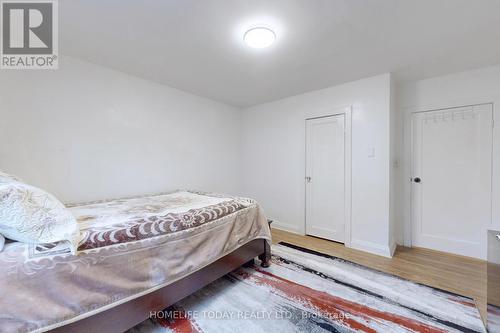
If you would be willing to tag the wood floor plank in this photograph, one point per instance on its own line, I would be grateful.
(461, 275)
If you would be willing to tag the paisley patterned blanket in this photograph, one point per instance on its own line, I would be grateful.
(129, 248)
(128, 220)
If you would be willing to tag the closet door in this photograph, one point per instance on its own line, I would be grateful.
(325, 175)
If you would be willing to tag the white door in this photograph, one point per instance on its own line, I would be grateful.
(325, 175)
(451, 181)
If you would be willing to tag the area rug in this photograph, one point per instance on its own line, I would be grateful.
(306, 291)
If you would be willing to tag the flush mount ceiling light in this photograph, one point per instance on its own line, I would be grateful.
(259, 38)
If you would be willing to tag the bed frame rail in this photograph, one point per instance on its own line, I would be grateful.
(125, 316)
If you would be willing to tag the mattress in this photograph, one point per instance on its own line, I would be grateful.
(129, 247)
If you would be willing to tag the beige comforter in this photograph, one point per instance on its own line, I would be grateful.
(129, 248)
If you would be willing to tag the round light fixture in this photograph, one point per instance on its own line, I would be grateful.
(259, 38)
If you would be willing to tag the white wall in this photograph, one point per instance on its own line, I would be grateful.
(274, 157)
(85, 132)
(465, 88)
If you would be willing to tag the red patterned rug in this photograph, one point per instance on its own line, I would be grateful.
(306, 291)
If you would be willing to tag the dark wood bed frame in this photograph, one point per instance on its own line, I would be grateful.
(125, 316)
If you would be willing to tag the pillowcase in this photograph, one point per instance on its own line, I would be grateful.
(31, 215)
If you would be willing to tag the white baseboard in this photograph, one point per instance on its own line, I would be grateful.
(285, 227)
(375, 248)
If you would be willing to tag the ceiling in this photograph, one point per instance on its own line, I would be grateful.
(196, 45)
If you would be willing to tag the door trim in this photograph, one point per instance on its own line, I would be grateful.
(347, 112)
(408, 152)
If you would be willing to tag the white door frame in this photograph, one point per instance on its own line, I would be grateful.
(347, 112)
(408, 160)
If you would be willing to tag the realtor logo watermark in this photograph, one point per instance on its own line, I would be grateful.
(29, 35)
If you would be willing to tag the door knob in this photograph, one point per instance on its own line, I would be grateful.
(417, 180)
(308, 179)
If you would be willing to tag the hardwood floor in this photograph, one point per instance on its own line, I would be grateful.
(461, 275)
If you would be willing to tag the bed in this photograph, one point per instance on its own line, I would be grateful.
(136, 255)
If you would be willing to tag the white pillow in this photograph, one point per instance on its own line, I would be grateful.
(2, 242)
(31, 215)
